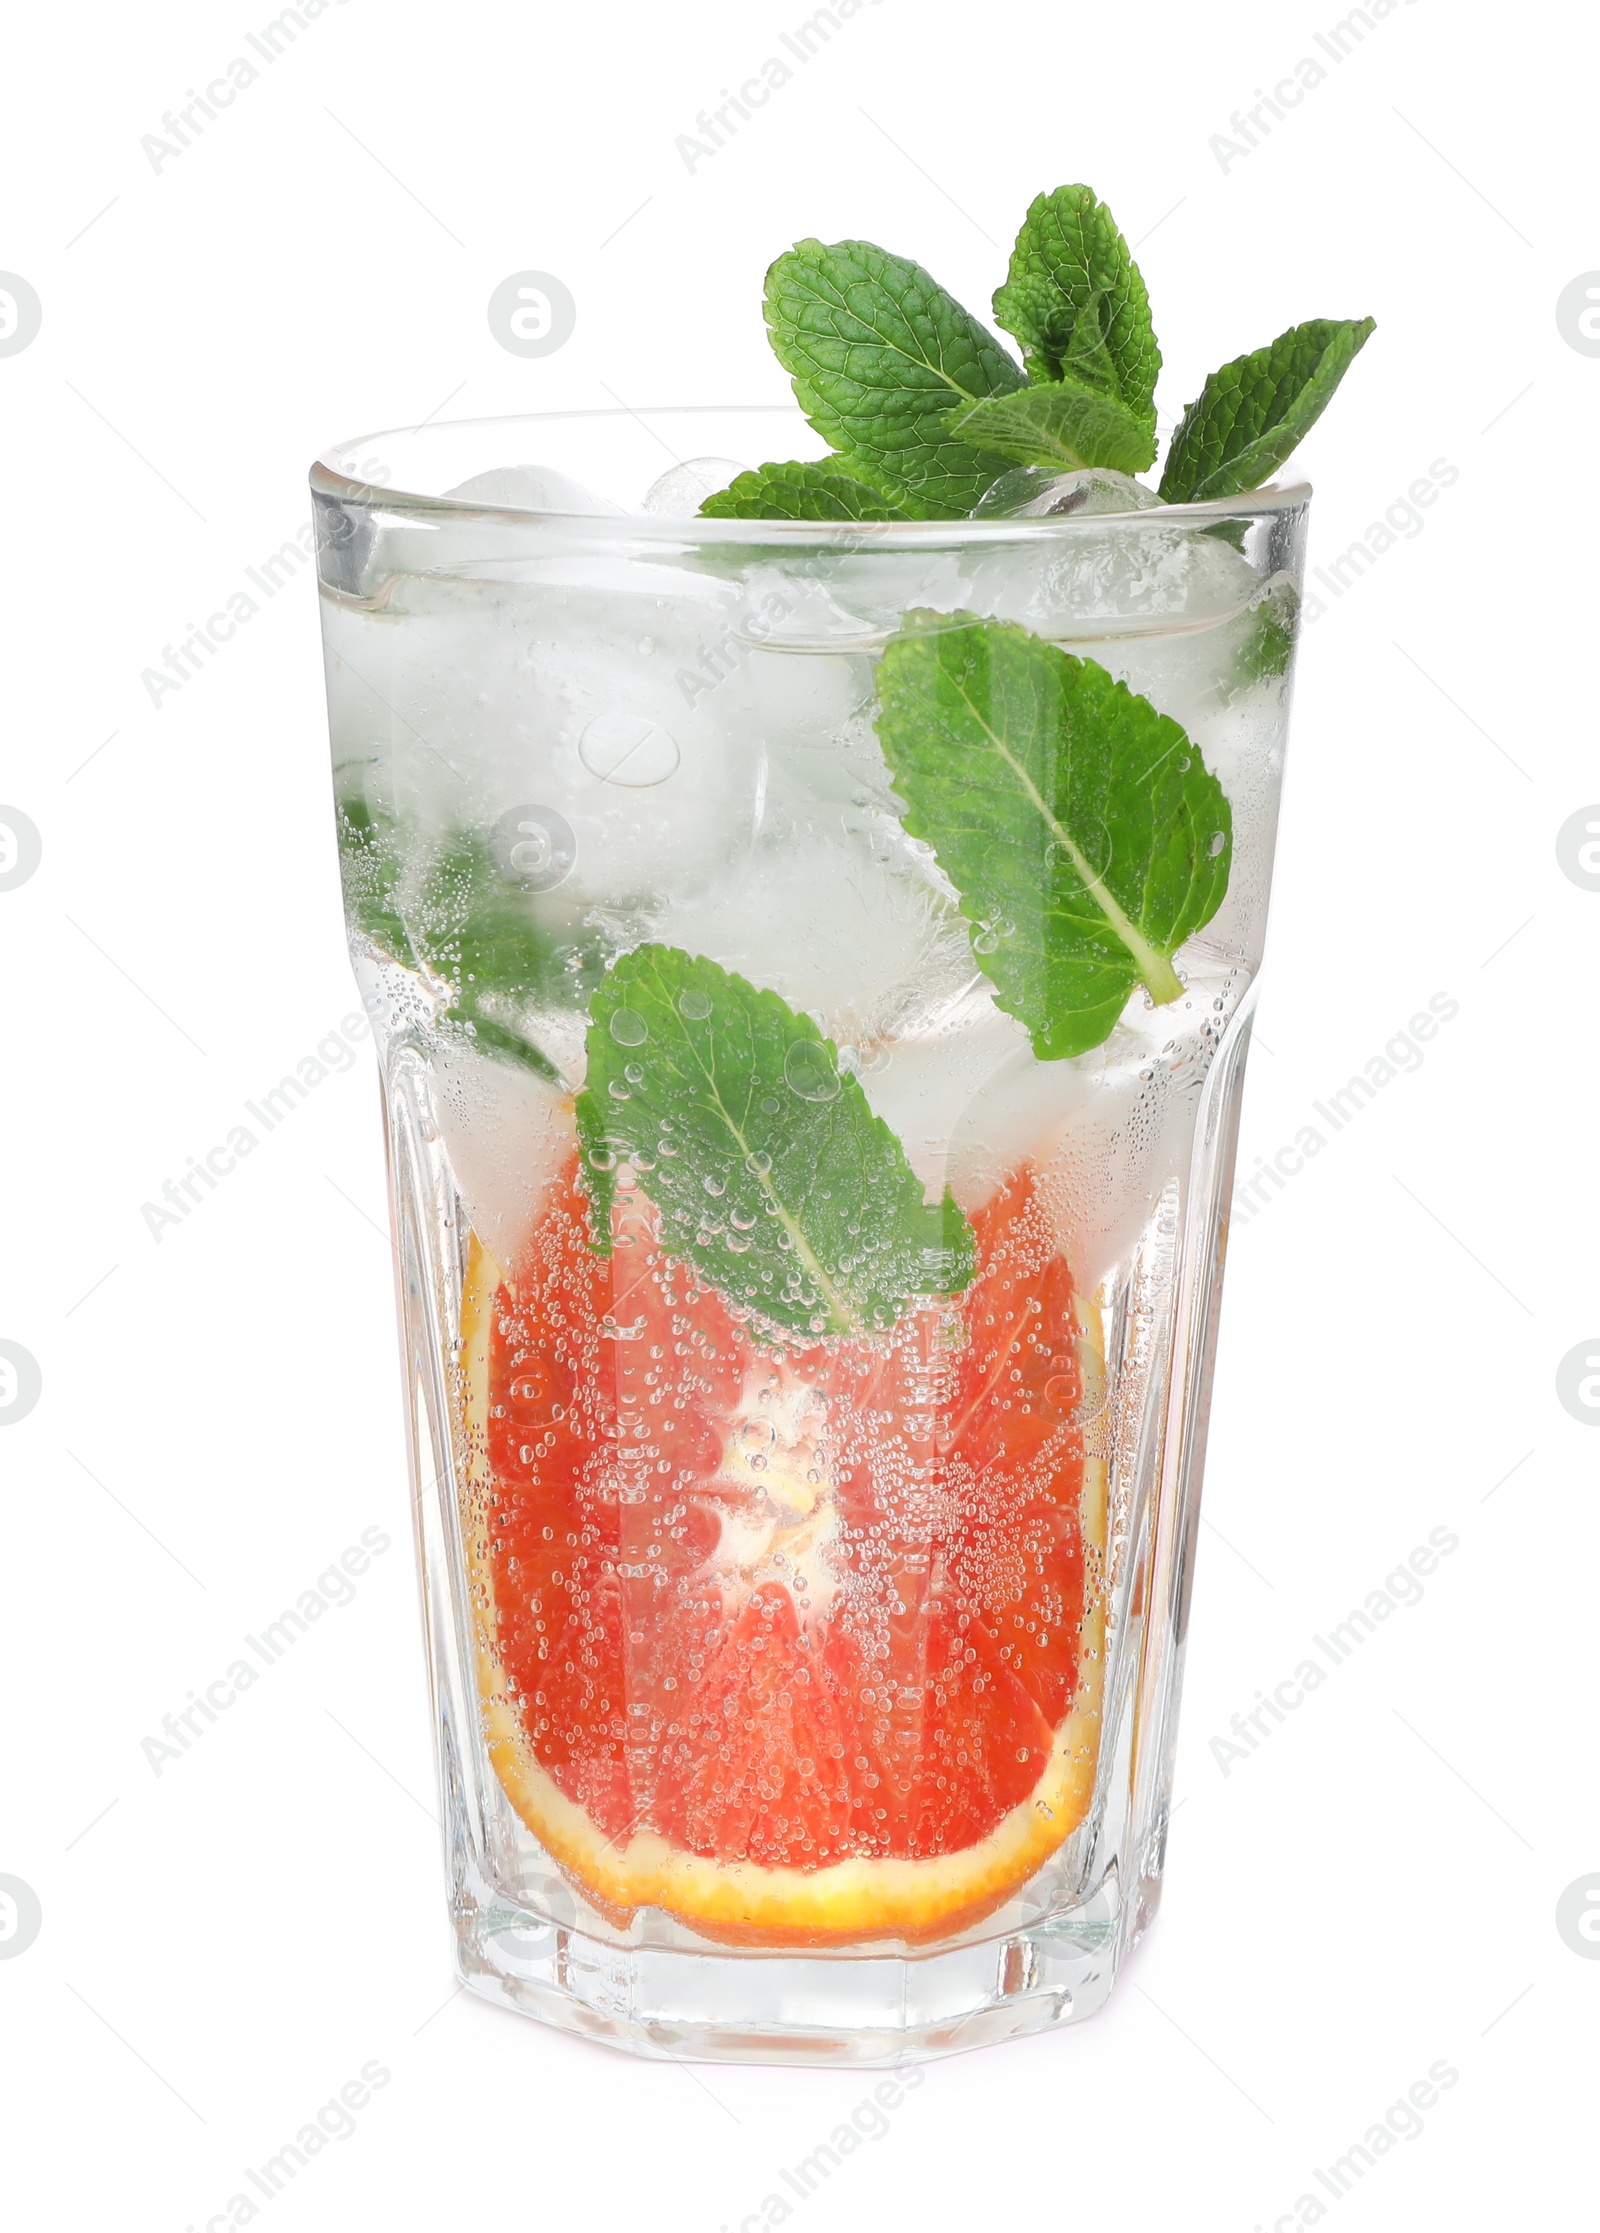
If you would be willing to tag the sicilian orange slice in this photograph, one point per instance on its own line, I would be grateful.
(803, 1645)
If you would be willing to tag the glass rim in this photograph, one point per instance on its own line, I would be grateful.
(328, 478)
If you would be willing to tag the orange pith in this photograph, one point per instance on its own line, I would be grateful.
(800, 1643)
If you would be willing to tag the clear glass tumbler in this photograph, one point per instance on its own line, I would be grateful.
(811, 967)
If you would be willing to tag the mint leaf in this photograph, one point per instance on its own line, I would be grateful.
(772, 1175)
(1084, 834)
(1075, 301)
(369, 870)
(1269, 646)
(475, 931)
(1255, 410)
(799, 491)
(1059, 425)
(879, 354)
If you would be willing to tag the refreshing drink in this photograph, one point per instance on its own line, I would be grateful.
(810, 940)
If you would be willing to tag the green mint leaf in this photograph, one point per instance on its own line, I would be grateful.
(475, 932)
(1269, 646)
(879, 354)
(369, 870)
(1084, 835)
(1254, 411)
(770, 1171)
(819, 492)
(1058, 424)
(1074, 299)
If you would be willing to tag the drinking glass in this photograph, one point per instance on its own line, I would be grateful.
(807, 1335)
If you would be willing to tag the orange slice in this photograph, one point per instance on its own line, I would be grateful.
(803, 1645)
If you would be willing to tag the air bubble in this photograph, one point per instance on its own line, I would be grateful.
(628, 749)
(695, 1005)
(809, 1072)
(628, 1029)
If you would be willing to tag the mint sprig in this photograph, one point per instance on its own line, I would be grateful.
(1075, 300)
(1254, 411)
(794, 491)
(1060, 426)
(1083, 833)
(770, 1171)
(879, 355)
(923, 406)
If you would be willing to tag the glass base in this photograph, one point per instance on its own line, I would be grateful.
(871, 2010)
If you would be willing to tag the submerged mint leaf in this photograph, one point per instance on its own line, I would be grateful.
(369, 870)
(1075, 300)
(1274, 624)
(1256, 409)
(770, 1171)
(1083, 832)
(1060, 425)
(799, 491)
(879, 354)
(475, 932)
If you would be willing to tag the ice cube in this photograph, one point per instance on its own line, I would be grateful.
(682, 489)
(1038, 492)
(507, 1135)
(533, 488)
(870, 947)
(578, 685)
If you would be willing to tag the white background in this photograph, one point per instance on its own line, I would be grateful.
(1373, 1889)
